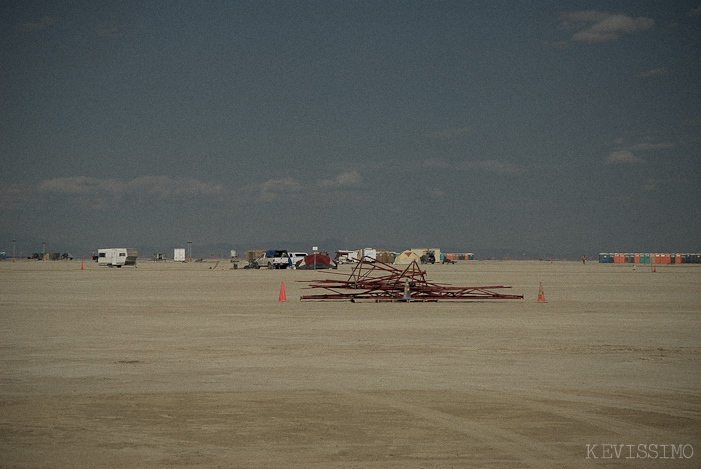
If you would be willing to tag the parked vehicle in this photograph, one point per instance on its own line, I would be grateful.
(428, 258)
(297, 257)
(117, 257)
(274, 259)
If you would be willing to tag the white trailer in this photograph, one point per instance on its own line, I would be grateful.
(346, 256)
(179, 254)
(370, 254)
(117, 257)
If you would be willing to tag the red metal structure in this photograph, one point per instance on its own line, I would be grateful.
(382, 282)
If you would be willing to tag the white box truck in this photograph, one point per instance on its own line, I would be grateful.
(179, 254)
(117, 257)
(369, 254)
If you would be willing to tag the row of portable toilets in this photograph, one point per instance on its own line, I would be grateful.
(459, 257)
(628, 258)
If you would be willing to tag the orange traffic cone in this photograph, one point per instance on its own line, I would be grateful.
(654, 269)
(541, 296)
(81, 265)
(282, 292)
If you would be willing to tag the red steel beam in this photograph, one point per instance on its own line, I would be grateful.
(380, 281)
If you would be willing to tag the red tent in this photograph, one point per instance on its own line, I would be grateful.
(317, 262)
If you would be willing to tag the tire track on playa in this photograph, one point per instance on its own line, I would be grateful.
(606, 422)
(504, 441)
(554, 403)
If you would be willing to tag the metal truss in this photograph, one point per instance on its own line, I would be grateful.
(372, 280)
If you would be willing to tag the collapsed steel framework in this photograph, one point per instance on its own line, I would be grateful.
(371, 280)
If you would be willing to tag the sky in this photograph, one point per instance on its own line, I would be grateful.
(555, 128)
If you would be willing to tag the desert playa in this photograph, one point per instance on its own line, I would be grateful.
(182, 365)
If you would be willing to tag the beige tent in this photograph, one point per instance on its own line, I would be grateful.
(406, 257)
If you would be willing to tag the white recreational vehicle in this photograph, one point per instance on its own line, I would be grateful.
(116, 257)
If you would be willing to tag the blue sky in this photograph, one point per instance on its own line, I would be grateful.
(558, 128)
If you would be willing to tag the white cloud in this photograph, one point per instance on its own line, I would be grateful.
(275, 188)
(655, 72)
(490, 166)
(557, 44)
(288, 187)
(625, 154)
(658, 184)
(44, 23)
(649, 146)
(436, 193)
(496, 167)
(440, 165)
(343, 180)
(449, 133)
(165, 187)
(651, 185)
(594, 27)
(436, 163)
(161, 187)
(574, 19)
(15, 196)
(79, 185)
(335, 191)
(106, 30)
(624, 157)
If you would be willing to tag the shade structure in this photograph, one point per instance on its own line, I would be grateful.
(317, 261)
(406, 257)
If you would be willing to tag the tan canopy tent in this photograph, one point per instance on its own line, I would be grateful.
(406, 257)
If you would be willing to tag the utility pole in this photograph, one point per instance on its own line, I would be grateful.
(189, 251)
